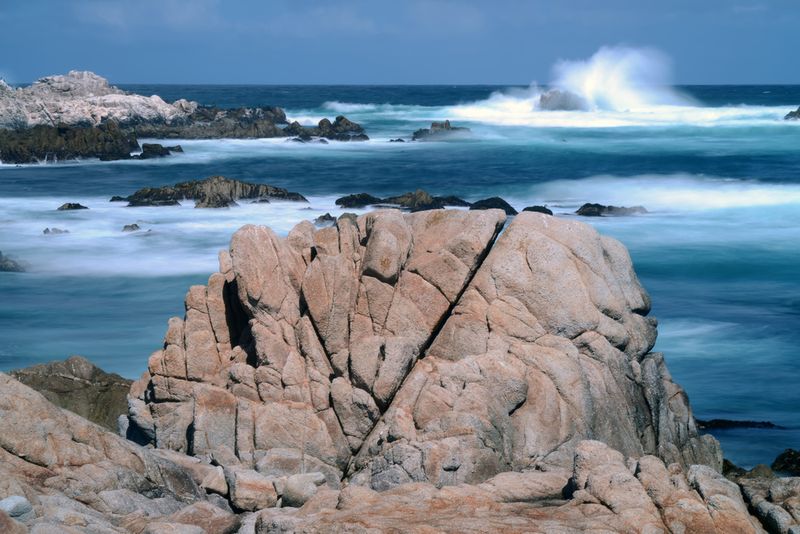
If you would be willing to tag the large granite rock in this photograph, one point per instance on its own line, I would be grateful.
(211, 192)
(397, 348)
(77, 385)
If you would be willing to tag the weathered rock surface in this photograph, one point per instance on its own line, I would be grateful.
(600, 210)
(211, 192)
(77, 385)
(439, 131)
(8, 265)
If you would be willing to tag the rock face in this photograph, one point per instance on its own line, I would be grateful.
(80, 387)
(599, 210)
(439, 131)
(398, 348)
(212, 192)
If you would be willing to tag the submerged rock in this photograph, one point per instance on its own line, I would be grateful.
(75, 384)
(599, 210)
(539, 209)
(325, 220)
(71, 206)
(493, 203)
(8, 265)
(131, 228)
(54, 231)
(212, 192)
(439, 131)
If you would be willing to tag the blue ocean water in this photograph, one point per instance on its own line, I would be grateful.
(717, 168)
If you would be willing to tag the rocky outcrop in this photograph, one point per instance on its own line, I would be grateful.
(439, 131)
(413, 201)
(7, 265)
(60, 142)
(600, 210)
(216, 123)
(77, 385)
(341, 129)
(211, 192)
(775, 502)
(71, 206)
(788, 462)
(793, 115)
(401, 348)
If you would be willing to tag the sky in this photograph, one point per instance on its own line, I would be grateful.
(391, 42)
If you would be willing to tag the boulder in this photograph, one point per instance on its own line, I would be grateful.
(71, 206)
(539, 209)
(493, 203)
(7, 265)
(17, 507)
(599, 210)
(788, 462)
(153, 150)
(439, 131)
(77, 385)
(300, 488)
(418, 200)
(325, 219)
(249, 490)
(341, 129)
(211, 192)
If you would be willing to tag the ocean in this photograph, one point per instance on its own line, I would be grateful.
(719, 251)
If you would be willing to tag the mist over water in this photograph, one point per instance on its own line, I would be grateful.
(716, 167)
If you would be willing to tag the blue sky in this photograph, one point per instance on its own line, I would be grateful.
(413, 41)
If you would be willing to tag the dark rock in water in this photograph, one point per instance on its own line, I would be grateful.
(419, 200)
(71, 206)
(341, 129)
(57, 143)
(731, 470)
(175, 148)
(54, 231)
(559, 100)
(7, 265)
(788, 462)
(724, 424)
(438, 131)
(212, 192)
(80, 387)
(359, 200)
(600, 210)
(539, 209)
(453, 201)
(793, 115)
(325, 220)
(153, 150)
(398, 140)
(117, 198)
(493, 203)
(131, 228)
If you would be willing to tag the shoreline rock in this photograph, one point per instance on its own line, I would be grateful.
(539, 209)
(211, 192)
(494, 203)
(47, 143)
